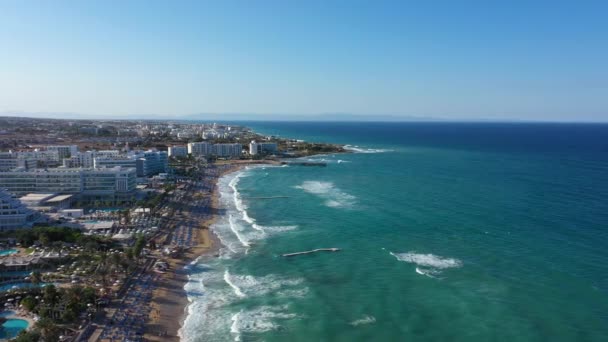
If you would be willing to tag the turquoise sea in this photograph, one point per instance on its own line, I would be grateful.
(448, 231)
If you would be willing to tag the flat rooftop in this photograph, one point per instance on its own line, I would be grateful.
(59, 198)
(36, 197)
(98, 225)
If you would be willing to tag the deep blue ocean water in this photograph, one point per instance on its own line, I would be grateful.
(448, 231)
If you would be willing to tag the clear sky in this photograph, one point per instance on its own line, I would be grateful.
(533, 60)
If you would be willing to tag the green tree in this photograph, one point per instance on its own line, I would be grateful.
(129, 253)
(28, 336)
(48, 330)
(44, 239)
(29, 303)
(50, 294)
(139, 246)
(36, 277)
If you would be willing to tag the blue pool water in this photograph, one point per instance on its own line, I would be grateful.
(23, 285)
(13, 274)
(12, 328)
(8, 251)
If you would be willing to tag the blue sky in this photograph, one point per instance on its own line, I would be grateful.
(520, 60)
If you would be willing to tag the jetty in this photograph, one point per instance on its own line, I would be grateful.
(313, 251)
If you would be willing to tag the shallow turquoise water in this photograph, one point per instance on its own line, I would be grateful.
(448, 232)
(8, 251)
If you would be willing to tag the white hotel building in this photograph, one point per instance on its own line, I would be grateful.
(206, 149)
(107, 184)
(13, 214)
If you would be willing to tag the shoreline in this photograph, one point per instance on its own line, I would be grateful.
(170, 301)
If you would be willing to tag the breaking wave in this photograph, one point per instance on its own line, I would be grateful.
(334, 197)
(365, 320)
(358, 149)
(428, 264)
(237, 290)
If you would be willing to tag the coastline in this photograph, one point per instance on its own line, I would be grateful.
(170, 300)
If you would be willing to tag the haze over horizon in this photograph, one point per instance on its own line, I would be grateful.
(519, 61)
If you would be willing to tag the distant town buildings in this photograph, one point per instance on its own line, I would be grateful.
(178, 151)
(200, 148)
(63, 151)
(206, 149)
(228, 150)
(147, 163)
(256, 148)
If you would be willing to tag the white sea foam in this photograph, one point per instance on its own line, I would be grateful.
(234, 328)
(213, 293)
(428, 264)
(258, 320)
(249, 285)
(365, 320)
(236, 232)
(427, 272)
(427, 260)
(238, 202)
(358, 149)
(237, 290)
(334, 197)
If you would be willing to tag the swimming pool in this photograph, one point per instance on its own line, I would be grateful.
(12, 327)
(6, 313)
(8, 251)
(15, 274)
(21, 285)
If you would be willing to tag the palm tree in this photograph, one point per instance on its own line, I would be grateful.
(36, 277)
(48, 330)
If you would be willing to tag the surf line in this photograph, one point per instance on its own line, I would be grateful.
(334, 249)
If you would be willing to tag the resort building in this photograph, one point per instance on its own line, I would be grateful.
(205, 149)
(262, 148)
(46, 202)
(96, 184)
(154, 162)
(10, 161)
(148, 163)
(178, 151)
(28, 159)
(87, 159)
(228, 150)
(110, 162)
(200, 149)
(63, 151)
(13, 214)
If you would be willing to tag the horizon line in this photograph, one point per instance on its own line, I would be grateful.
(285, 118)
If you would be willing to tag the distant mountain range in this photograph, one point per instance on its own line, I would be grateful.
(226, 117)
(328, 117)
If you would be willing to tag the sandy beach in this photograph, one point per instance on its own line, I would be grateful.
(169, 302)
